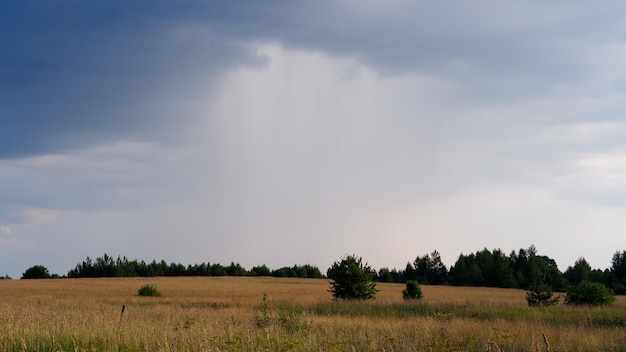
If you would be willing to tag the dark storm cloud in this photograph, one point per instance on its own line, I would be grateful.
(78, 73)
(75, 73)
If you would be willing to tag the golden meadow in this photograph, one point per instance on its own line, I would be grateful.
(281, 314)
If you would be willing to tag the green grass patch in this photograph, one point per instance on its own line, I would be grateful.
(559, 316)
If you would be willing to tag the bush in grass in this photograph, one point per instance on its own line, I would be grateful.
(148, 291)
(352, 279)
(412, 290)
(541, 296)
(591, 293)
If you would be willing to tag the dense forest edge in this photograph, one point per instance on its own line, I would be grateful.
(487, 268)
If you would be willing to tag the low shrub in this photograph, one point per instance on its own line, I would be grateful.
(148, 291)
(412, 290)
(591, 293)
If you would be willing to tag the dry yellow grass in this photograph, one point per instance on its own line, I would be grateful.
(221, 313)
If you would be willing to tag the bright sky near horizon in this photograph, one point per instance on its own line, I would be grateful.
(294, 132)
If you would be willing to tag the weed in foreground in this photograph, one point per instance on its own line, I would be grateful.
(286, 316)
(263, 319)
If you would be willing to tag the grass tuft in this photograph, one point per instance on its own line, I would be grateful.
(148, 291)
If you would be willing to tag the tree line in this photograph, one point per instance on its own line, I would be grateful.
(491, 268)
(522, 269)
(107, 266)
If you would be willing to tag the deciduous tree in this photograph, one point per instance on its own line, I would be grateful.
(36, 272)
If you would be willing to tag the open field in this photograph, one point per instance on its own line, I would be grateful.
(228, 314)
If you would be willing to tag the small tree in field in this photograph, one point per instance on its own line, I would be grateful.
(412, 290)
(541, 296)
(352, 279)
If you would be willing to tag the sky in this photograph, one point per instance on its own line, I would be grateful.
(296, 132)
